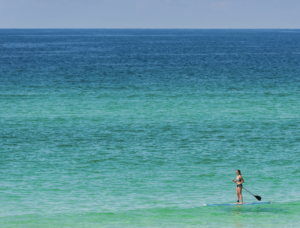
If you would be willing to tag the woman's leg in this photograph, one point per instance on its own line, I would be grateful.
(237, 194)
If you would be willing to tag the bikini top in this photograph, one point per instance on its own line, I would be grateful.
(238, 180)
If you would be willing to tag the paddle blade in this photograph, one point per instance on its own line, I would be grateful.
(258, 198)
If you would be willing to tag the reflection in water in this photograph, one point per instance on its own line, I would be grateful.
(237, 216)
(241, 213)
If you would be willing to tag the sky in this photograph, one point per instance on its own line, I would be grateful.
(203, 14)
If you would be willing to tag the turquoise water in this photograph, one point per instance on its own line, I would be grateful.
(140, 128)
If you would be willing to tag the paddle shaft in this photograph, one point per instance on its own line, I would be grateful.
(248, 191)
(257, 197)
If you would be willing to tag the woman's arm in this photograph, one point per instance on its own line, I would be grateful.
(242, 179)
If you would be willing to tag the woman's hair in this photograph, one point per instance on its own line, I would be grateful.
(239, 171)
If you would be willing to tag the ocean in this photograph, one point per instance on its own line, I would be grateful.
(140, 128)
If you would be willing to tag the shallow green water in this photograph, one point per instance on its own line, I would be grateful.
(134, 128)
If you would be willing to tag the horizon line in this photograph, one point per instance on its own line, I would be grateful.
(172, 28)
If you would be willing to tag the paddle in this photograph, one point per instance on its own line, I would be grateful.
(257, 197)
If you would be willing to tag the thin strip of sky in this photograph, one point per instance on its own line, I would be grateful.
(149, 14)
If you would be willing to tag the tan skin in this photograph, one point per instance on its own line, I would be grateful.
(239, 189)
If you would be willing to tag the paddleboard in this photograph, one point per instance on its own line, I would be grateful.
(234, 204)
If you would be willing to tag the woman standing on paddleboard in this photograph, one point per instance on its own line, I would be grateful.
(239, 185)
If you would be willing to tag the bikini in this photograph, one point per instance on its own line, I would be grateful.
(239, 185)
